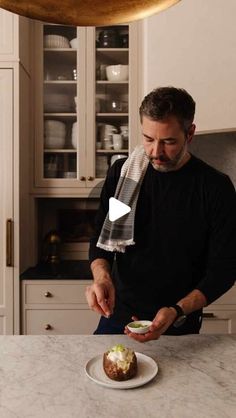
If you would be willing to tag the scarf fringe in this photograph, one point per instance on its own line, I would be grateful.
(118, 246)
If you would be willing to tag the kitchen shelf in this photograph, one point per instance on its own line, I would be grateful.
(64, 151)
(111, 151)
(112, 82)
(69, 114)
(109, 50)
(60, 82)
(60, 50)
(112, 114)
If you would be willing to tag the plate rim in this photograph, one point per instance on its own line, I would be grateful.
(126, 384)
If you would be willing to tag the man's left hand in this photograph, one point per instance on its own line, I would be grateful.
(163, 319)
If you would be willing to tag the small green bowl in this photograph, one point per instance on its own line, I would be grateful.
(139, 327)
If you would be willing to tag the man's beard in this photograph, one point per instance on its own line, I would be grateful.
(170, 164)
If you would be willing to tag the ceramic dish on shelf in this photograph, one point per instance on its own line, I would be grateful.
(54, 142)
(54, 128)
(56, 41)
(74, 43)
(117, 72)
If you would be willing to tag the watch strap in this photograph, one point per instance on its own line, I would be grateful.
(181, 316)
(179, 311)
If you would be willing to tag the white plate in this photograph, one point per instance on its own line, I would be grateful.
(147, 370)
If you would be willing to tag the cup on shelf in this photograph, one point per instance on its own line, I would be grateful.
(74, 43)
(117, 141)
(76, 102)
(107, 143)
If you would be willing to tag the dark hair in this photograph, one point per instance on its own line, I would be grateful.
(169, 101)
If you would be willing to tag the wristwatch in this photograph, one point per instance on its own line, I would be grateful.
(180, 318)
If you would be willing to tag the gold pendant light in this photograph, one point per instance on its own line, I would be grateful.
(86, 12)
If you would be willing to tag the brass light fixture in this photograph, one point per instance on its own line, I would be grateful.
(86, 12)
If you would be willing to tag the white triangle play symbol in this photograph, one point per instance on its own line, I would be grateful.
(117, 209)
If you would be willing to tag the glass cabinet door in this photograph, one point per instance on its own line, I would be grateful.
(86, 106)
(112, 96)
(61, 100)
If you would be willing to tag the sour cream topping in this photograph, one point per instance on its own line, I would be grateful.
(122, 356)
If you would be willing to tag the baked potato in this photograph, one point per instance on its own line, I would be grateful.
(120, 363)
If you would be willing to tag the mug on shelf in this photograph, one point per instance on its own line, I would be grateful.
(117, 141)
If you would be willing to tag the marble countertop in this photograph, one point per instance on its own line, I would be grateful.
(44, 377)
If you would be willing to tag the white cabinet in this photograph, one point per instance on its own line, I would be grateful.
(220, 316)
(14, 173)
(56, 307)
(7, 45)
(6, 201)
(78, 107)
(192, 45)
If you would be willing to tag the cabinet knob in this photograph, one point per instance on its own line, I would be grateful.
(82, 178)
(48, 327)
(90, 178)
(47, 294)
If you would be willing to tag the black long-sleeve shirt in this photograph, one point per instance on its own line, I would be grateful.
(185, 238)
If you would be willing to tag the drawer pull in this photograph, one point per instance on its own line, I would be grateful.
(209, 315)
(82, 178)
(90, 178)
(47, 294)
(48, 327)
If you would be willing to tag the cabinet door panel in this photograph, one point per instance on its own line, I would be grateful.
(6, 201)
(6, 35)
(55, 321)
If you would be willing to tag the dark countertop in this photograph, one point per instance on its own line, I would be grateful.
(78, 270)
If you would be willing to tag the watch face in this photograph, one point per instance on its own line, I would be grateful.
(180, 321)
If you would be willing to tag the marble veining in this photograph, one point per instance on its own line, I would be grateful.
(43, 377)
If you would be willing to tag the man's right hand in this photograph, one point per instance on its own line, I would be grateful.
(101, 294)
(101, 297)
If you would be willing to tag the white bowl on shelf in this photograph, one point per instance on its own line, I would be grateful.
(117, 72)
(74, 43)
(54, 142)
(56, 41)
(54, 128)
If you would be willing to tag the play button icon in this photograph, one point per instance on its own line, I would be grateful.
(117, 209)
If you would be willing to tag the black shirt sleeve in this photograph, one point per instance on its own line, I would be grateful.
(221, 261)
(108, 191)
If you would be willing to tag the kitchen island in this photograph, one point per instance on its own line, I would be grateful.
(44, 377)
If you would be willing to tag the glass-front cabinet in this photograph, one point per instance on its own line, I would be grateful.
(86, 103)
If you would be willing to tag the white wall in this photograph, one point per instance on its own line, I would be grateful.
(193, 45)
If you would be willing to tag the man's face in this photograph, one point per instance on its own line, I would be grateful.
(165, 143)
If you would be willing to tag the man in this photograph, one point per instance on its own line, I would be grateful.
(176, 250)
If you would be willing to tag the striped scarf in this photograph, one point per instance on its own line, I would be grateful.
(116, 235)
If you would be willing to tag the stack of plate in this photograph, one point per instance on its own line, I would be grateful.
(74, 135)
(54, 134)
(56, 102)
(56, 41)
(101, 166)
